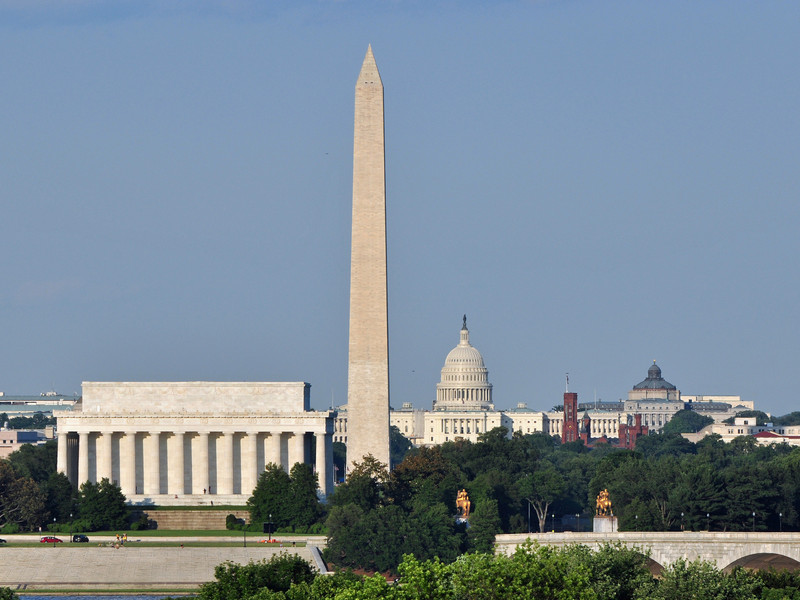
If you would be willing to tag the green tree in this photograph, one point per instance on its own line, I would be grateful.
(617, 571)
(432, 533)
(664, 444)
(35, 461)
(761, 417)
(540, 572)
(484, 524)
(304, 506)
(399, 445)
(372, 540)
(37, 421)
(541, 488)
(7, 593)
(698, 580)
(61, 497)
(235, 582)
(271, 497)
(21, 501)
(793, 418)
(426, 475)
(686, 421)
(102, 505)
(344, 527)
(339, 460)
(364, 485)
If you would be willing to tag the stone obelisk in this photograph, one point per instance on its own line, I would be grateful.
(368, 365)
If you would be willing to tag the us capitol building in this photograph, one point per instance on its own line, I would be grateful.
(463, 408)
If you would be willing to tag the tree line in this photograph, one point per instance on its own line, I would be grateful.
(33, 496)
(535, 483)
(613, 572)
(38, 420)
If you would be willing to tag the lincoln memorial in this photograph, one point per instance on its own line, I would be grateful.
(192, 442)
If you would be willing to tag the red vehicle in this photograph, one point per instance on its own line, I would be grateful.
(49, 539)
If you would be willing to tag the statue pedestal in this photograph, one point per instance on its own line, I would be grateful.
(605, 524)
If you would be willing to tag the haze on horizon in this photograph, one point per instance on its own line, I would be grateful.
(596, 185)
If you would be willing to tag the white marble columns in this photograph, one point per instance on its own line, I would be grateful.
(225, 465)
(176, 477)
(273, 451)
(174, 464)
(152, 464)
(249, 462)
(83, 457)
(200, 468)
(127, 463)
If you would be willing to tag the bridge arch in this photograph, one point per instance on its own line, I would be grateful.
(654, 567)
(763, 561)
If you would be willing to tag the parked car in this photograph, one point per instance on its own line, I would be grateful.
(80, 538)
(49, 539)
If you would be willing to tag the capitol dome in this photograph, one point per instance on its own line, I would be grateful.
(465, 379)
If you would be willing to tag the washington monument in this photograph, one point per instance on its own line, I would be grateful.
(368, 365)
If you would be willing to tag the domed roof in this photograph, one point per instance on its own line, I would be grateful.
(465, 355)
(654, 380)
(465, 379)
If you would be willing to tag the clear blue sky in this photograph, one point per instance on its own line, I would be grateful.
(596, 184)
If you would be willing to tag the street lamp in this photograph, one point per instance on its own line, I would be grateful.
(269, 532)
(54, 532)
(637, 522)
(754, 521)
(780, 521)
(244, 532)
(70, 528)
(578, 519)
(708, 522)
(682, 522)
(553, 522)
(529, 515)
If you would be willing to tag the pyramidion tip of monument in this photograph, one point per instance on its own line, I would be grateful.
(369, 69)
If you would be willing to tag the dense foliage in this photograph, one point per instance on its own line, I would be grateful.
(38, 420)
(234, 582)
(533, 482)
(287, 500)
(761, 417)
(613, 572)
(101, 506)
(8, 594)
(33, 495)
(686, 421)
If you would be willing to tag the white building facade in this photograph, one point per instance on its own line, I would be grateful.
(186, 442)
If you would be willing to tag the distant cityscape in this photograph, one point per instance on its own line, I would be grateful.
(464, 409)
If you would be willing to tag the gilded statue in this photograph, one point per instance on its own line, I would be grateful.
(463, 504)
(604, 505)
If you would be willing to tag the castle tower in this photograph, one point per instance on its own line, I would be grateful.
(569, 429)
(368, 365)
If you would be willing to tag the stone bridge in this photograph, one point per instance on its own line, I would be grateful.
(759, 550)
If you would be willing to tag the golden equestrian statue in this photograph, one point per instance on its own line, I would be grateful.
(463, 504)
(604, 505)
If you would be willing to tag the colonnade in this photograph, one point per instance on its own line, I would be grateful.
(458, 426)
(482, 395)
(178, 463)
